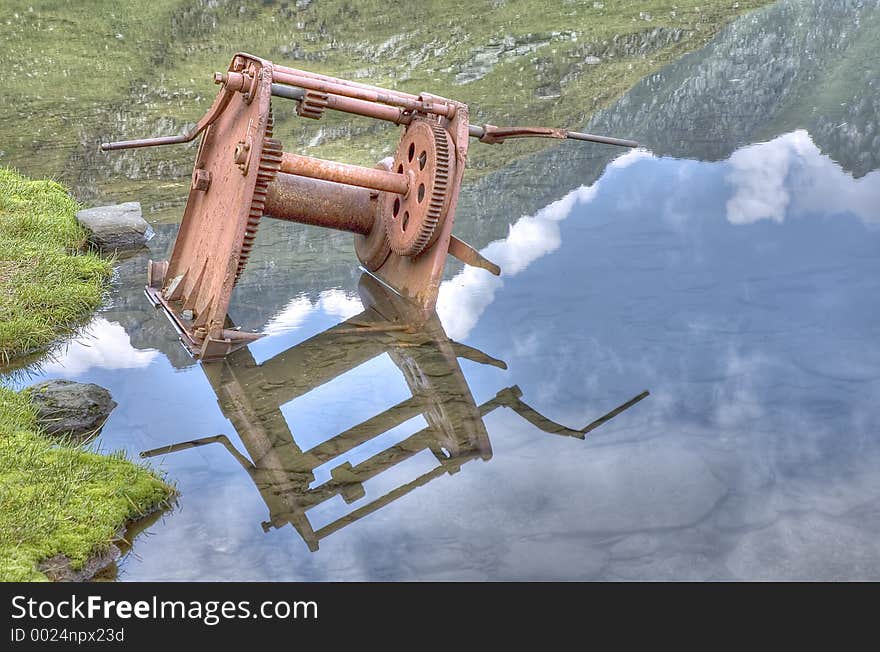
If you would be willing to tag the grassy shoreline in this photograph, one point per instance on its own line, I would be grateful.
(48, 284)
(57, 501)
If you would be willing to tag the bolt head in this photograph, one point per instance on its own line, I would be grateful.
(201, 180)
(241, 152)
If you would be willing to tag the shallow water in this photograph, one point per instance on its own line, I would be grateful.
(731, 268)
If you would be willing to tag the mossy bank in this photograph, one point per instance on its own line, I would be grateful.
(80, 73)
(59, 501)
(48, 283)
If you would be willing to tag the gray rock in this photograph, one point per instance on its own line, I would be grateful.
(117, 228)
(65, 407)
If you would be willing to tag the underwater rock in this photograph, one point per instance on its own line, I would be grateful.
(117, 228)
(65, 407)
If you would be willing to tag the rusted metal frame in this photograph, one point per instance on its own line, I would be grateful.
(352, 175)
(202, 267)
(378, 503)
(223, 341)
(194, 287)
(489, 134)
(384, 112)
(381, 96)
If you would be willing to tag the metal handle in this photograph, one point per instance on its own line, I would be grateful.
(496, 135)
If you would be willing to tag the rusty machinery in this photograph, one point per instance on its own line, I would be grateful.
(401, 211)
(251, 395)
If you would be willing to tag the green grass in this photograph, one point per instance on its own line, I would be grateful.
(81, 72)
(60, 499)
(55, 498)
(47, 284)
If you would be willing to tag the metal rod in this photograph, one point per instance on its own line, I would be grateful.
(622, 142)
(352, 175)
(347, 105)
(147, 142)
(218, 106)
(620, 408)
(381, 96)
(479, 131)
(383, 112)
(288, 92)
(343, 82)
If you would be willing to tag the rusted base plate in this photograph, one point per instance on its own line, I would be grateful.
(205, 349)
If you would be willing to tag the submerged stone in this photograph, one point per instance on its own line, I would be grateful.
(65, 407)
(117, 228)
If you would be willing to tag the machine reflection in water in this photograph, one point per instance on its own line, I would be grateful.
(251, 396)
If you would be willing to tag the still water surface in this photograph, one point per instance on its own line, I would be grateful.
(731, 268)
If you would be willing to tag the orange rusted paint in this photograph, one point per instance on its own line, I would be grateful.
(401, 212)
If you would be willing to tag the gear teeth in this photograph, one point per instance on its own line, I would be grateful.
(312, 105)
(438, 192)
(270, 163)
(430, 214)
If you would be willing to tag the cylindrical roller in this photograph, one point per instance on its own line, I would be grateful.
(353, 175)
(320, 203)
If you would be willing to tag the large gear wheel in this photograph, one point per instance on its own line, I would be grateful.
(270, 163)
(412, 221)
